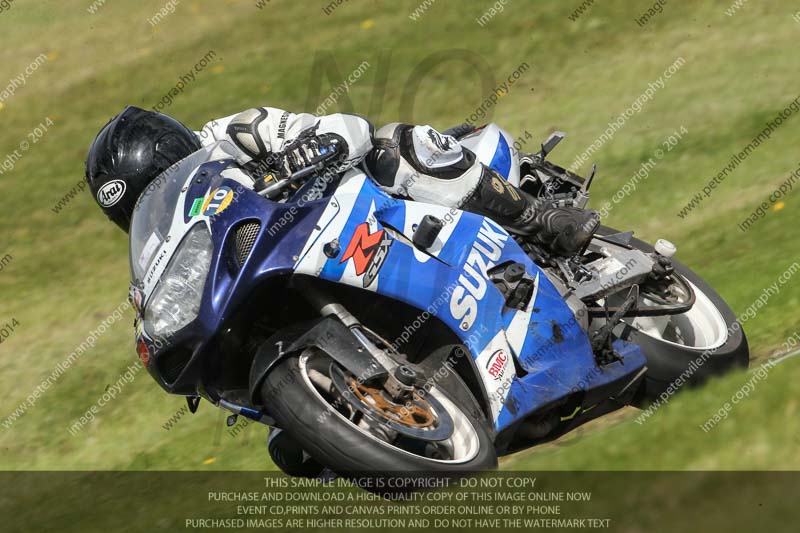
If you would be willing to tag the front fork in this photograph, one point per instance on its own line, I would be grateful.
(400, 379)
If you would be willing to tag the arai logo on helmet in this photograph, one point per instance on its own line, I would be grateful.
(111, 193)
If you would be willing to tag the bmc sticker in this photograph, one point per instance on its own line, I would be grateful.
(368, 251)
(111, 193)
(496, 365)
(217, 201)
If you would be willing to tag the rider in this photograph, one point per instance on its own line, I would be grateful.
(417, 162)
(411, 161)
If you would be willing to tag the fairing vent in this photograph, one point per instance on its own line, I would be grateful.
(172, 363)
(244, 239)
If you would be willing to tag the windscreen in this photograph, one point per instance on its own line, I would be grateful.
(155, 208)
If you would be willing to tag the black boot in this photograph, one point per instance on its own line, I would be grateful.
(564, 231)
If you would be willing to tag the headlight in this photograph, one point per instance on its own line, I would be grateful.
(176, 302)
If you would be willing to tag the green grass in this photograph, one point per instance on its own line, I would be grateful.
(70, 270)
(760, 432)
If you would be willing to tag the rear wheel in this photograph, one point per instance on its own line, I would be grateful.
(691, 347)
(356, 428)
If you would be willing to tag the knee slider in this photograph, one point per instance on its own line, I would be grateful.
(383, 161)
(243, 131)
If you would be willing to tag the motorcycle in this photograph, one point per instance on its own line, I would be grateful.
(388, 335)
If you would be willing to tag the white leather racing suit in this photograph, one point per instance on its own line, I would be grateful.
(265, 130)
(433, 168)
(416, 162)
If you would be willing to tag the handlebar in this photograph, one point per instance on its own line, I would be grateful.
(318, 165)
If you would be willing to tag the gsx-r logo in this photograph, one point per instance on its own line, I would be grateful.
(368, 251)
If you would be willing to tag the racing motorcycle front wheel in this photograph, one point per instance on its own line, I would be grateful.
(358, 429)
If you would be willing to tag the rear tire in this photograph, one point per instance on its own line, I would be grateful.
(347, 449)
(666, 361)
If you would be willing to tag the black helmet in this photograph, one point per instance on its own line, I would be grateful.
(130, 152)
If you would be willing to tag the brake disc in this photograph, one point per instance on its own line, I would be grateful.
(421, 418)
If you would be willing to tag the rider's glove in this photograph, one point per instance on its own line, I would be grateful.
(308, 150)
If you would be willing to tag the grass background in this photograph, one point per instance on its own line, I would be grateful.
(70, 270)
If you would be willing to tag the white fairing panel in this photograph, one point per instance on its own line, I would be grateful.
(484, 144)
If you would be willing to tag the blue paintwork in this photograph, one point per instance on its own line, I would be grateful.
(556, 353)
(501, 161)
(553, 372)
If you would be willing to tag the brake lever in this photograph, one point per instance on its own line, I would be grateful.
(317, 165)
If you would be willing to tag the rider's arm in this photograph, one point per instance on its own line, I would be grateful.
(260, 131)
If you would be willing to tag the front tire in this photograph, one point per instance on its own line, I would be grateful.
(305, 410)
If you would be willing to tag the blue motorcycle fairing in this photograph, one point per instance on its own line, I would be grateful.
(545, 338)
(371, 232)
(284, 229)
